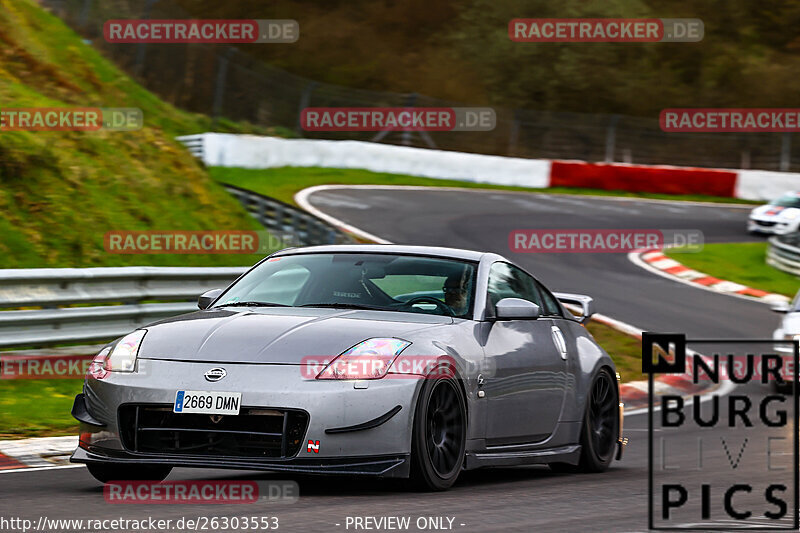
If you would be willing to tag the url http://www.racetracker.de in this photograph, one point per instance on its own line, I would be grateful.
(196, 523)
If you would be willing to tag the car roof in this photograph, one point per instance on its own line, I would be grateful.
(436, 251)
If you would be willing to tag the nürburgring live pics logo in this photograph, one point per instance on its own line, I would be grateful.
(720, 461)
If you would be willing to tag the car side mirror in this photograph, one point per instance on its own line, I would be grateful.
(780, 307)
(207, 297)
(517, 308)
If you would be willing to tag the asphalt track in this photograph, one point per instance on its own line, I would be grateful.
(507, 499)
(483, 221)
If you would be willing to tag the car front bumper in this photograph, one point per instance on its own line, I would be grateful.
(384, 466)
(358, 427)
(771, 227)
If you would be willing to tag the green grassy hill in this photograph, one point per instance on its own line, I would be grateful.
(60, 192)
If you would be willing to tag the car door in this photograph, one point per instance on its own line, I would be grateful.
(525, 390)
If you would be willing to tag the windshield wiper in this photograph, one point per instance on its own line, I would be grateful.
(251, 304)
(347, 306)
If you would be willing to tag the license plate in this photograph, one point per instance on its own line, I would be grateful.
(207, 402)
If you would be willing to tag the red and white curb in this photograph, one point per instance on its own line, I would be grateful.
(634, 394)
(36, 453)
(656, 262)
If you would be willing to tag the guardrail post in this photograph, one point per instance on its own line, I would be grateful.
(405, 138)
(140, 49)
(278, 215)
(786, 152)
(513, 136)
(611, 138)
(745, 163)
(83, 18)
(305, 100)
(219, 85)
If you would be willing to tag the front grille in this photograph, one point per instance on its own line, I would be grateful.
(254, 432)
(765, 223)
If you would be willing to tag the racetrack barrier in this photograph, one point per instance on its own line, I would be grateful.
(113, 301)
(253, 151)
(783, 253)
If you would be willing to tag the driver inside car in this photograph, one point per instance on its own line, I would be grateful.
(455, 293)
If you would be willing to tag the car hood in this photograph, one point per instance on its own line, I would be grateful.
(274, 335)
(775, 211)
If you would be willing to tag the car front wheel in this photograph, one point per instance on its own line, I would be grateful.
(439, 434)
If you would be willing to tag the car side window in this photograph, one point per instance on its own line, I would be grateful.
(508, 281)
(551, 306)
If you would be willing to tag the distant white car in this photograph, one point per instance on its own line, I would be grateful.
(778, 217)
(788, 329)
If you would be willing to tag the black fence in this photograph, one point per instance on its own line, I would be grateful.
(224, 81)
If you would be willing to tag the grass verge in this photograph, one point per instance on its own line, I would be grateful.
(37, 407)
(741, 263)
(61, 191)
(626, 351)
(282, 183)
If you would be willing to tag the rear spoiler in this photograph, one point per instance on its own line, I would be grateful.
(585, 303)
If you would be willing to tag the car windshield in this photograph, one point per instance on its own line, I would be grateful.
(788, 200)
(385, 282)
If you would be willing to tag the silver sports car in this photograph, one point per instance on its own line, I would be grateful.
(396, 361)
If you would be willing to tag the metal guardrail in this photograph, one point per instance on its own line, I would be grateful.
(783, 253)
(293, 225)
(195, 145)
(131, 288)
(114, 301)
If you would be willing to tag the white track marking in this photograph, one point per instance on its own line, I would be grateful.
(542, 195)
(39, 468)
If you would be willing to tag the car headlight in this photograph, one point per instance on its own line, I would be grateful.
(122, 358)
(790, 216)
(369, 359)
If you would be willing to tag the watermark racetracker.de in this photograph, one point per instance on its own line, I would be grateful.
(398, 119)
(605, 30)
(197, 242)
(49, 366)
(166, 31)
(203, 492)
(602, 240)
(71, 119)
(376, 366)
(723, 120)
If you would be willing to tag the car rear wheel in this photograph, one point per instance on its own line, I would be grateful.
(439, 434)
(600, 427)
(105, 473)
